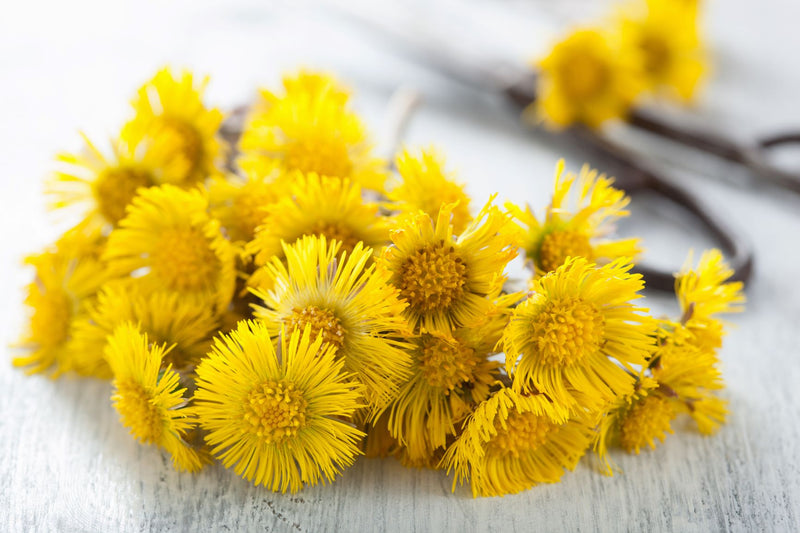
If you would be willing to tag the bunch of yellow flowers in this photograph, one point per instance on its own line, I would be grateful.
(310, 304)
(652, 47)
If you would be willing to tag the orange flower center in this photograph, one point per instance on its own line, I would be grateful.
(116, 187)
(557, 246)
(524, 432)
(584, 76)
(647, 420)
(138, 412)
(275, 411)
(184, 260)
(432, 278)
(447, 364)
(567, 331)
(321, 321)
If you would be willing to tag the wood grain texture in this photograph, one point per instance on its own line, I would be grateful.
(66, 464)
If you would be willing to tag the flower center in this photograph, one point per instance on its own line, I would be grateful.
(432, 278)
(327, 157)
(275, 411)
(447, 364)
(567, 331)
(584, 76)
(558, 245)
(184, 260)
(322, 322)
(249, 207)
(184, 146)
(656, 54)
(648, 419)
(138, 412)
(116, 187)
(51, 316)
(335, 231)
(523, 432)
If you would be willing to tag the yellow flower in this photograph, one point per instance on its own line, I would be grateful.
(310, 129)
(577, 228)
(68, 275)
(312, 85)
(168, 233)
(425, 186)
(449, 282)
(99, 184)
(450, 375)
(634, 420)
(345, 301)
(690, 372)
(704, 293)
(277, 419)
(241, 204)
(664, 35)
(176, 129)
(586, 79)
(149, 398)
(575, 321)
(512, 443)
(322, 206)
(164, 317)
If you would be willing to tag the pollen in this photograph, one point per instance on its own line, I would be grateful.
(558, 245)
(335, 231)
(116, 187)
(275, 411)
(523, 432)
(568, 330)
(326, 157)
(647, 420)
(433, 278)
(138, 411)
(322, 322)
(447, 364)
(184, 259)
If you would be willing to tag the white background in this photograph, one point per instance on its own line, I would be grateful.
(67, 464)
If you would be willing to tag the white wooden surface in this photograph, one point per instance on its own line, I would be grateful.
(66, 464)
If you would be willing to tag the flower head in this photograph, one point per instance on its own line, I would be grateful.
(164, 317)
(425, 186)
(704, 293)
(577, 228)
(100, 184)
(634, 420)
(175, 128)
(585, 79)
(277, 419)
(322, 206)
(449, 282)
(347, 303)
(167, 242)
(575, 321)
(68, 275)
(689, 370)
(311, 129)
(664, 36)
(241, 205)
(511, 443)
(149, 398)
(450, 375)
